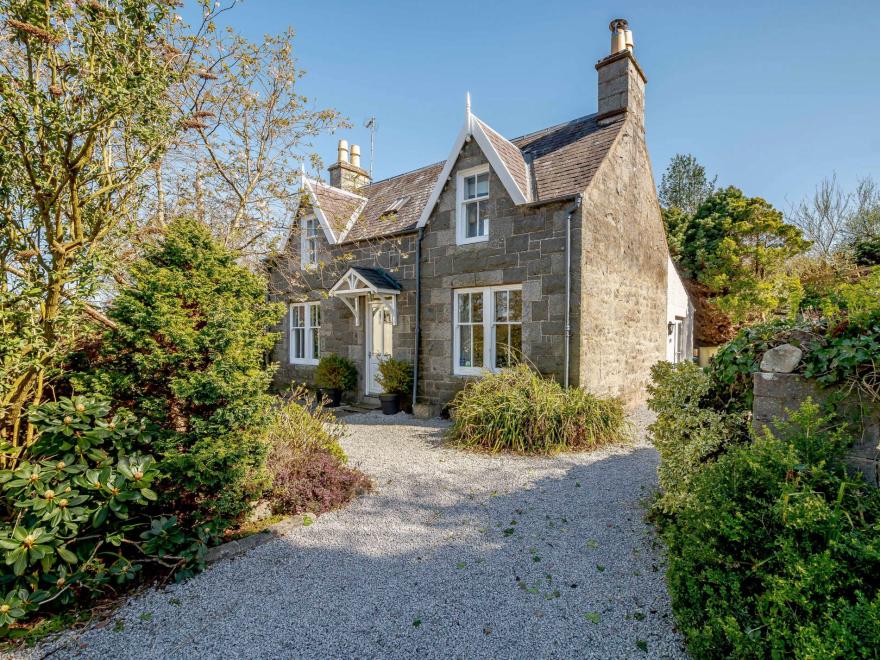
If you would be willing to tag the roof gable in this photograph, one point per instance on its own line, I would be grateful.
(500, 153)
(336, 209)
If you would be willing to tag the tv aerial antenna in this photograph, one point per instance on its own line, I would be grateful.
(371, 125)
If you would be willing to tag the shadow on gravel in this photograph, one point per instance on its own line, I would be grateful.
(565, 567)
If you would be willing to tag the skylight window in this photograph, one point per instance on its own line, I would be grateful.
(396, 205)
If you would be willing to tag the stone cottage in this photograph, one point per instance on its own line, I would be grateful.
(547, 248)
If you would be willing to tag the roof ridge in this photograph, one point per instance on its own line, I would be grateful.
(334, 188)
(511, 140)
(396, 176)
(550, 128)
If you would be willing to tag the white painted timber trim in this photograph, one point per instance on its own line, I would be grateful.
(473, 126)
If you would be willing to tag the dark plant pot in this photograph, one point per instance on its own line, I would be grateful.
(334, 395)
(390, 403)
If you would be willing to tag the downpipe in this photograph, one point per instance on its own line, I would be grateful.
(574, 207)
(418, 329)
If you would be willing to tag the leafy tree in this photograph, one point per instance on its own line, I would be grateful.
(867, 251)
(738, 247)
(86, 108)
(188, 356)
(684, 184)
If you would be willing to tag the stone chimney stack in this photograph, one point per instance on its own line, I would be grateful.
(348, 174)
(621, 79)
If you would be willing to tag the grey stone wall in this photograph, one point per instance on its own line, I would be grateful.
(526, 246)
(775, 394)
(624, 271)
(618, 320)
(339, 334)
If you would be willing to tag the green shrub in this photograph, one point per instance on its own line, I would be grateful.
(303, 424)
(395, 376)
(777, 552)
(335, 372)
(687, 434)
(306, 462)
(80, 511)
(518, 410)
(188, 355)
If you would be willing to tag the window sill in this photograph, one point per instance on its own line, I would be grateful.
(475, 239)
(307, 363)
(470, 371)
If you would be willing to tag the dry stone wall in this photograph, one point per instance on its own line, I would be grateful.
(775, 394)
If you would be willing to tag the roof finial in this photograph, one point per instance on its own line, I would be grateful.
(467, 104)
(302, 174)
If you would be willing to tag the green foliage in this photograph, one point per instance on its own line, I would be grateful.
(188, 356)
(303, 425)
(78, 510)
(335, 372)
(518, 410)
(840, 353)
(87, 104)
(861, 298)
(676, 222)
(395, 376)
(684, 185)
(776, 552)
(737, 246)
(867, 251)
(687, 433)
(732, 366)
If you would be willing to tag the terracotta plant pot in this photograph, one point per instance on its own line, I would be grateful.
(334, 395)
(390, 403)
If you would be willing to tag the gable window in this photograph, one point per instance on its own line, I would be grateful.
(472, 193)
(309, 243)
(305, 324)
(487, 328)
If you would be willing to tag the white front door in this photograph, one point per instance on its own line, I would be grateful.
(378, 343)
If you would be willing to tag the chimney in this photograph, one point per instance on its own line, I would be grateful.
(621, 79)
(347, 174)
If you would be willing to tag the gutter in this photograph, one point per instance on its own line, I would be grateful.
(415, 385)
(574, 207)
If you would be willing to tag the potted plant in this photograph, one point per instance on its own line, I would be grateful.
(395, 377)
(333, 376)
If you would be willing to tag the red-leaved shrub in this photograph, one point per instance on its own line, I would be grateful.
(314, 482)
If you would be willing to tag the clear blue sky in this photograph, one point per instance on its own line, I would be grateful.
(771, 96)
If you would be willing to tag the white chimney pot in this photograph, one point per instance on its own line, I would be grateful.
(343, 151)
(356, 155)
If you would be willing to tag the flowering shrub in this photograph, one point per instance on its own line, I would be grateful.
(77, 510)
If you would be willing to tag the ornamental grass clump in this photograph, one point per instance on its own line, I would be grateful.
(520, 411)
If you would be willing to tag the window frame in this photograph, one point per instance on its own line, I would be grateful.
(311, 313)
(460, 214)
(305, 239)
(488, 324)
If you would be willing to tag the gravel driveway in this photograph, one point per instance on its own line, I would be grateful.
(454, 555)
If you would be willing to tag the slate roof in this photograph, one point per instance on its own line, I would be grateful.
(554, 162)
(377, 277)
(513, 158)
(338, 206)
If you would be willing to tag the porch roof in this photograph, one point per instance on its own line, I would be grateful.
(358, 281)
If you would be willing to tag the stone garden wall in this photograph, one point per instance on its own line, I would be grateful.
(777, 390)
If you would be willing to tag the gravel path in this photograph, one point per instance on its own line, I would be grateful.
(455, 555)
